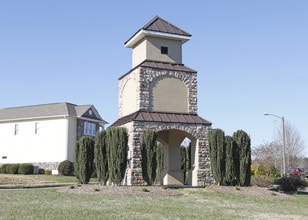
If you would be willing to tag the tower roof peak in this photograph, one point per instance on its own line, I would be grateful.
(158, 27)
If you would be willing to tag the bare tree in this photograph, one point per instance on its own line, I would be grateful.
(295, 146)
(270, 154)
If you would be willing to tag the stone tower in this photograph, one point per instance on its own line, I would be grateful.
(160, 93)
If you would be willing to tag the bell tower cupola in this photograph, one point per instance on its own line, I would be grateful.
(158, 40)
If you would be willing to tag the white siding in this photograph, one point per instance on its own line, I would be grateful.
(71, 138)
(48, 145)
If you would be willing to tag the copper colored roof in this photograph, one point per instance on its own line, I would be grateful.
(163, 66)
(165, 117)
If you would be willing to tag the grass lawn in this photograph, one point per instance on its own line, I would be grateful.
(194, 204)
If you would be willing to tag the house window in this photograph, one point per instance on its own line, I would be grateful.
(36, 129)
(164, 50)
(16, 130)
(89, 128)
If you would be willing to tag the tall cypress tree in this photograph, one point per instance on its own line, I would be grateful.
(244, 152)
(76, 164)
(148, 152)
(117, 146)
(84, 159)
(100, 154)
(217, 154)
(160, 161)
(231, 174)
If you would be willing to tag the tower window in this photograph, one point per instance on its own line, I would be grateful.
(164, 50)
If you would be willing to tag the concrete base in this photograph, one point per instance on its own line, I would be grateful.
(174, 178)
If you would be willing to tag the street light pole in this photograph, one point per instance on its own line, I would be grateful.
(283, 142)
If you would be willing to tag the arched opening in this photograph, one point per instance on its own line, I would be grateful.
(174, 172)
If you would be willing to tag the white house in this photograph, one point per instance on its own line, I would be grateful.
(45, 135)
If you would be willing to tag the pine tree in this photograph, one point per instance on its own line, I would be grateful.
(244, 154)
(100, 154)
(148, 152)
(231, 174)
(217, 154)
(84, 159)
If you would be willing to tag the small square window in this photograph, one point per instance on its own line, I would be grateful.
(164, 50)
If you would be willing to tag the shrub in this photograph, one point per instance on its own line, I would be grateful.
(66, 168)
(13, 168)
(261, 181)
(100, 155)
(261, 171)
(84, 153)
(48, 172)
(117, 147)
(274, 172)
(5, 168)
(148, 152)
(291, 183)
(244, 152)
(217, 154)
(26, 168)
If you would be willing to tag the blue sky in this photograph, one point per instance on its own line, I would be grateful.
(251, 56)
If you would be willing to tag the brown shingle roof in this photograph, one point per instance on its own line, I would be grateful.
(165, 117)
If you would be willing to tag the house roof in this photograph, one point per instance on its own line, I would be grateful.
(160, 28)
(165, 117)
(47, 111)
(163, 66)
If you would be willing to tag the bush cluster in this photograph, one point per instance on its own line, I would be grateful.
(291, 183)
(14, 168)
(66, 168)
(261, 181)
(26, 168)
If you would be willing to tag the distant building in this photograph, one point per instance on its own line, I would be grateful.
(45, 135)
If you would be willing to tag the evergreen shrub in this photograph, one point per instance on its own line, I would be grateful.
(26, 168)
(66, 168)
(13, 168)
(5, 168)
(291, 183)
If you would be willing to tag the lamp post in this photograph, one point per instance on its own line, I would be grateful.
(283, 143)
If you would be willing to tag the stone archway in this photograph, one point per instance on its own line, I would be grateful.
(172, 174)
(171, 131)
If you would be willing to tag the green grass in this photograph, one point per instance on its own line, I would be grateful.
(44, 178)
(194, 204)
(55, 178)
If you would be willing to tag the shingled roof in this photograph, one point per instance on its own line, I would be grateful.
(165, 117)
(46, 111)
(158, 27)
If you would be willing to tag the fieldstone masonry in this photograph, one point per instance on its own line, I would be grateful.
(200, 132)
